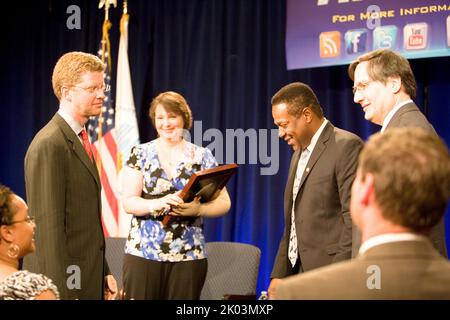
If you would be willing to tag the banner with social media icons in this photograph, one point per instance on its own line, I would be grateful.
(335, 32)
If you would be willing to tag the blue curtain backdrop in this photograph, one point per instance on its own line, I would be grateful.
(227, 57)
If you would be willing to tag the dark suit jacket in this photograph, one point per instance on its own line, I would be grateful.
(405, 270)
(63, 194)
(322, 218)
(410, 116)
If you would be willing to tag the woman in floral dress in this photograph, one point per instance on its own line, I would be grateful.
(165, 252)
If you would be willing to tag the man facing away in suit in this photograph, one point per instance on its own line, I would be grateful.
(400, 192)
(318, 226)
(63, 186)
(384, 86)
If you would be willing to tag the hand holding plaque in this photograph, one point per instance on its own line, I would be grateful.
(188, 209)
(207, 184)
(203, 186)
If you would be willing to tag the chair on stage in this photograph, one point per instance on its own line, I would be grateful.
(232, 271)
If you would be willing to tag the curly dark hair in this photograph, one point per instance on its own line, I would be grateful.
(6, 210)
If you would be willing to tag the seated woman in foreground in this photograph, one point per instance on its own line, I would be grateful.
(16, 241)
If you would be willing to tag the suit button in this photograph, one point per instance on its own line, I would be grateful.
(102, 247)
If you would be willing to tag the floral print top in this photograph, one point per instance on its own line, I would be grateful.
(158, 236)
(25, 285)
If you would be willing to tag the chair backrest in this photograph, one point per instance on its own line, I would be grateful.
(232, 270)
(115, 250)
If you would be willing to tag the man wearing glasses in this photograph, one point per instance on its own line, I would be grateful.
(384, 86)
(63, 186)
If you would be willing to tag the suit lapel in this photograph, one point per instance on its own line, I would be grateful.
(318, 149)
(77, 147)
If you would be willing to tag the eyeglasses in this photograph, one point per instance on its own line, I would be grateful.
(28, 220)
(362, 86)
(103, 89)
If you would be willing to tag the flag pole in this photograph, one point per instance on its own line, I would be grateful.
(106, 54)
(125, 17)
(125, 7)
(106, 46)
(126, 128)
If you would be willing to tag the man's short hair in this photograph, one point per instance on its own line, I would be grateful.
(71, 66)
(172, 102)
(385, 63)
(411, 169)
(298, 96)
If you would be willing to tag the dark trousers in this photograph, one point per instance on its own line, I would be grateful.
(145, 279)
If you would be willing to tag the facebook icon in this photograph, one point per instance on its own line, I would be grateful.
(356, 41)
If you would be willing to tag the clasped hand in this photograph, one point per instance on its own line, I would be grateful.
(187, 209)
(178, 207)
(170, 200)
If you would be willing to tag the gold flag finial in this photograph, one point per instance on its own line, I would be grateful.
(106, 47)
(125, 6)
(107, 4)
(124, 19)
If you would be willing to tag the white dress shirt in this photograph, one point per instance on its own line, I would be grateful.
(73, 124)
(387, 238)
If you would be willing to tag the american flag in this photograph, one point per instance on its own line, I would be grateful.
(101, 130)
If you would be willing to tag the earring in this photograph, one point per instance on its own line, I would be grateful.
(13, 251)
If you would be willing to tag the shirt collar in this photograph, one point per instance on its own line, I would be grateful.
(316, 136)
(392, 112)
(387, 238)
(76, 127)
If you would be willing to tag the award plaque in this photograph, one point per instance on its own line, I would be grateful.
(206, 184)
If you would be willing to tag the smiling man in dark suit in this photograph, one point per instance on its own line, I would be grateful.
(318, 226)
(63, 186)
(384, 86)
(400, 192)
